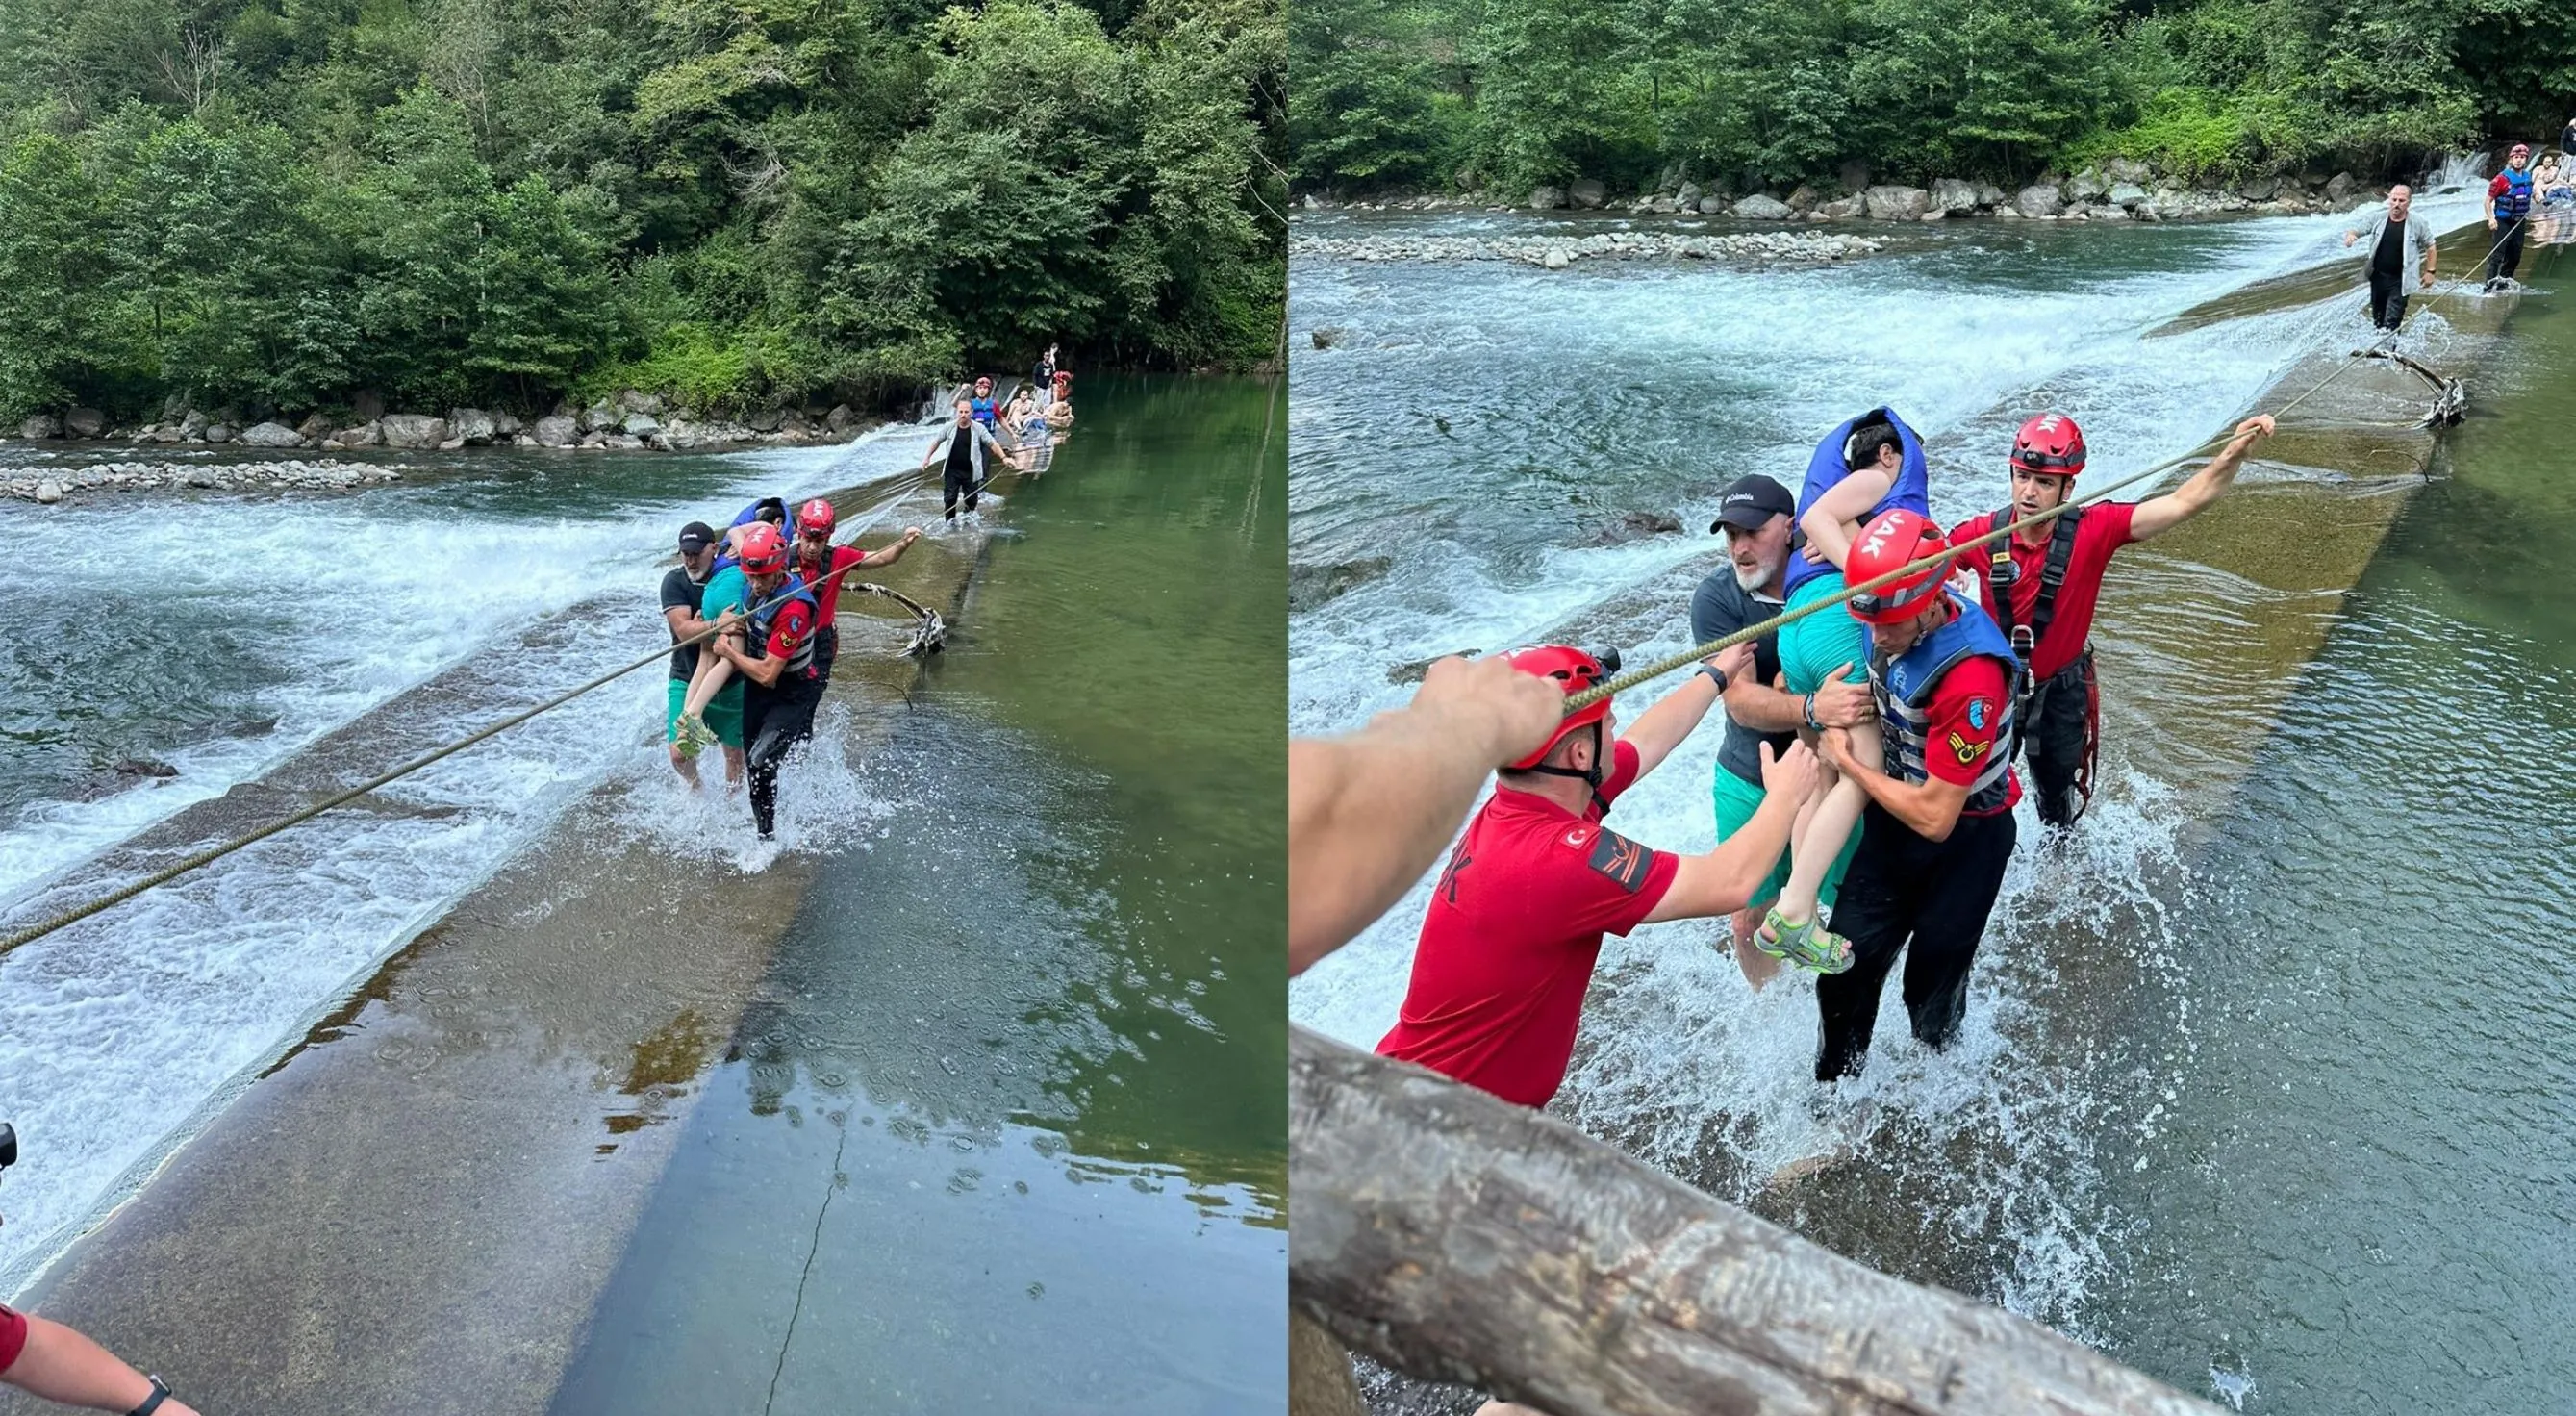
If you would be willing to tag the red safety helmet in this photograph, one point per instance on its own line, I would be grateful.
(2520, 150)
(1062, 378)
(1896, 538)
(1577, 671)
(815, 515)
(764, 551)
(2049, 444)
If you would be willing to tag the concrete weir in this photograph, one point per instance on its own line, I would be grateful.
(415, 1207)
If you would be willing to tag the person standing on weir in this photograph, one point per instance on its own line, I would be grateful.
(2508, 209)
(2041, 584)
(2401, 257)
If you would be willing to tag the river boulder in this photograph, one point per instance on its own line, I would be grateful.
(1688, 197)
(85, 422)
(1846, 209)
(472, 424)
(1896, 203)
(49, 492)
(1949, 194)
(1324, 338)
(271, 435)
(192, 428)
(1802, 199)
(43, 425)
(367, 434)
(415, 430)
(768, 420)
(1989, 195)
(2127, 194)
(221, 432)
(557, 430)
(634, 401)
(1546, 198)
(640, 425)
(2259, 189)
(1588, 193)
(2088, 185)
(1712, 206)
(1556, 258)
(2039, 199)
(506, 425)
(2340, 187)
(1762, 206)
(842, 420)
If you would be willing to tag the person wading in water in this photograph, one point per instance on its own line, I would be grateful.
(1939, 829)
(2508, 207)
(963, 445)
(772, 648)
(2401, 257)
(2041, 584)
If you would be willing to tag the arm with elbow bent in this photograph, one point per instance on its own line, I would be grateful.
(1831, 523)
(1723, 881)
(763, 670)
(1929, 809)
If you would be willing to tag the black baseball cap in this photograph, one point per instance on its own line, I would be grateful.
(1751, 502)
(696, 537)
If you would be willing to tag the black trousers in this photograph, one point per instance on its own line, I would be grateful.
(958, 483)
(1904, 890)
(2057, 740)
(2387, 307)
(774, 720)
(2507, 253)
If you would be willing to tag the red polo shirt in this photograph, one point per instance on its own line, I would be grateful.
(2104, 528)
(826, 584)
(1967, 706)
(1507, 947)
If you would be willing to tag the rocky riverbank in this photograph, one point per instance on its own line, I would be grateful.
(632, 422)
(290, 475)
(1558, 252)
(2121, 189)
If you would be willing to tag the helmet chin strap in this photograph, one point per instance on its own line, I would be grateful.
(1590, 776)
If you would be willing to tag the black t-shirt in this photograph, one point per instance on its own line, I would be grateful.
(2391, 249)
(679, 592)
(1719, 607)
(961, 454)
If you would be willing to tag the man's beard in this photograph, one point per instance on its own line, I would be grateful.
(1762, 574)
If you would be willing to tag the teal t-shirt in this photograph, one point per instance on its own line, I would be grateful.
(727, 589)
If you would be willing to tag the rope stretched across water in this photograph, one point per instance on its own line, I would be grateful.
(207, 857)
(1576, 702)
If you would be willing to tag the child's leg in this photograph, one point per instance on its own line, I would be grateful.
(714, 672)
(1824, 835)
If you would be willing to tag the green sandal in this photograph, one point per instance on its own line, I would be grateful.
(1809, 946)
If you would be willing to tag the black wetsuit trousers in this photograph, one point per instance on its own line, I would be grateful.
(1904, 891)
(774, 720)
(958, 485)
(2057, 736)
(2507, 253)
(2387, 307)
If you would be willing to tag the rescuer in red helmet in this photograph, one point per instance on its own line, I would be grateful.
(1516, 919)
(822, 565)
(2040, 585)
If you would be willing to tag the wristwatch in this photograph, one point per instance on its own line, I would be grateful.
(1715, 676)
(152, 1403)
(1807, 710)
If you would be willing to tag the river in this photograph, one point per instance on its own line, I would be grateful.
(1026, 991)
(2231, 1103)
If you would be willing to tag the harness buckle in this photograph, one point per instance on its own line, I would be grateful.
(2022, 640)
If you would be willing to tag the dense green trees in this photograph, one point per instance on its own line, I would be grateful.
(1510, 93)
(274, 203)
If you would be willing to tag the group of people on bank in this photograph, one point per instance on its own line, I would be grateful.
(769, 589)
(1867, 766)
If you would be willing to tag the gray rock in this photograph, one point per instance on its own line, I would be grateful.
(314, 428)
(1711, 206)
(2259, 189)
(1311, 203)
(1634, 525)
(1803, 200)
(43, 425)
(1556, 258)
(1546, 198)
(842, 419)
(2126, 169)
(1588, 193)
(2039, 199)
(2088, 185)
(85, 422)
(451, 445)
(49, 492)
(1949, 194)
(193, 427)
(2107, 212)
(415, 430)
(635, 402)
(1989, 195)
(367, 405)
(2127, 194)
(1896, 203)
(271, 435)
(2339, 188)
(506, 425)
(1324, 338)
(556, 430)
(1846, 209)
(1762, 207)
(472, 424)
(767, 420)
(1312, 585)
(221, 432)
(1688, 197)
(640, 425)
(623, 442)
(368, 434)
(522, 440)
(598, 417)
(166, 433)
(173, 406)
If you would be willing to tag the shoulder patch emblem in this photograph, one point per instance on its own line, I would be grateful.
(1977, 714)
(1965, 750)
(1622, 860)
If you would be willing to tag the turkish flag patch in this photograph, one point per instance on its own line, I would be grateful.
(1622, 860)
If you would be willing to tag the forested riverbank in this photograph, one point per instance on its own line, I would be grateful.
(1743, 95)
(301, 207)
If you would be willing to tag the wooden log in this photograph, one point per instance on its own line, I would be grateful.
(1460, 1238)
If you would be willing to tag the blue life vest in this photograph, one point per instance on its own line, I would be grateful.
(983, 410)
(2515, 202)
(764, 617)
(1903, 686)
(1913, 489)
